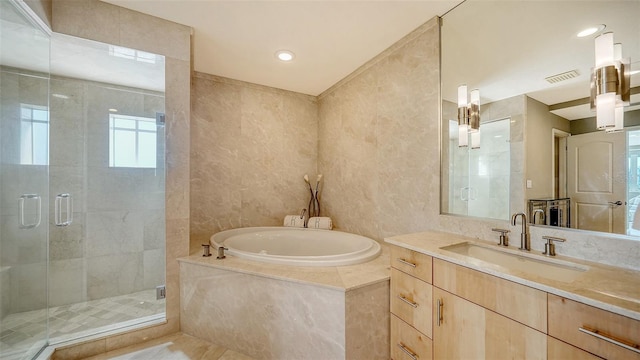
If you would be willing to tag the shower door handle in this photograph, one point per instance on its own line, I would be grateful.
(58, 210)
(21, 201)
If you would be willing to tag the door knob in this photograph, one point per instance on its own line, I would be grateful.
(615, 202)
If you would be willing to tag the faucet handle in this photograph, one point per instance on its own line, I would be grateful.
(550, 247)
(504, 238)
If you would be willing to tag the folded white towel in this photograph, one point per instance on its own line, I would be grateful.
(320, 223)
(294, 221)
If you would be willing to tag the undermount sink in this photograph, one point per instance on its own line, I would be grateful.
(552, 269)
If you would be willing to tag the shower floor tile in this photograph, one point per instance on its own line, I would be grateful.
(19, 331)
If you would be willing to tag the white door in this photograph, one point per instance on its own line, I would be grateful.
(596, 175)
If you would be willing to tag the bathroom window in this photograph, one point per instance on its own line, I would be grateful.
(34, 135)
(132, 141)
(132, 54)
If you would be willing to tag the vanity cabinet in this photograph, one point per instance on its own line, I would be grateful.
(410, 302)
(480, 316)
(597, 331)
(442, 310)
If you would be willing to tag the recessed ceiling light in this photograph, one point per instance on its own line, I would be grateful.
(285, 55)
(113, 110)
(591, 30)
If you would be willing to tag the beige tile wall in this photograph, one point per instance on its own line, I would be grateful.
(96, 20)
(251, 146)
(378, 145)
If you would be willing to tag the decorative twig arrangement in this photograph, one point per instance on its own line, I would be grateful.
(314, 201)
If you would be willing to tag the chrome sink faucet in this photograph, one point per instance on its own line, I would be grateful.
(525, 243)
(536, 212)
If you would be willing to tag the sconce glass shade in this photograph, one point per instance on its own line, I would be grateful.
(604, 50)
(609, 84)
(617, 52)
(468, 117)
(605, 110)
(475, 140)
(463, 136)
(462, 96)
(619, 120)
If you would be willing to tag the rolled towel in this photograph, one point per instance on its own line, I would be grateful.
(320, 223)
(294, 221)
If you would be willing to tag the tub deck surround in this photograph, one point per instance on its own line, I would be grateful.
(272, 311)
(342, 278)
(606, 287)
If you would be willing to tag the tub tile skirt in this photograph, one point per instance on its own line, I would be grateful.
(268, 318)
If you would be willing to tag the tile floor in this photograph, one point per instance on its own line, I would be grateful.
(19, 331)
(172, 347)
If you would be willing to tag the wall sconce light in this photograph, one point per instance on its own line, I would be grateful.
(468, 117)
(610, 84)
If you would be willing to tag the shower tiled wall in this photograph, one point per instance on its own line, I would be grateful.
(251, 145)
(115, 245)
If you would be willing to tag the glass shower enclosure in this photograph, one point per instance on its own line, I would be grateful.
(82, 169)
(24, 183)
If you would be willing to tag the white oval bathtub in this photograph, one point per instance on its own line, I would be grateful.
(297, 246)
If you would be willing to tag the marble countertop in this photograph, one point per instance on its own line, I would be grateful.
(606, 287)
(342, 278)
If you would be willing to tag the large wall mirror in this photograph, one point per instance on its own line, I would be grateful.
(539, 150)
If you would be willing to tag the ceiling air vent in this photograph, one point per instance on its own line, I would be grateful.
(562, 77)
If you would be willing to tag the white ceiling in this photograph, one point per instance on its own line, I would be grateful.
(331, 39)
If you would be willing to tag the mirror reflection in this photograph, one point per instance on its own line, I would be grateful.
(560, 166)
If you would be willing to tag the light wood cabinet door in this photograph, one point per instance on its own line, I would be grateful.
(515, 301)
(464, 330)
(411, 301)
(558, 350)
(597, 331)
(408, 343)
(412, 263)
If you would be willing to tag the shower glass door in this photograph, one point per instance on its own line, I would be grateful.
(24, 183)
(107, 152)
(479, 178)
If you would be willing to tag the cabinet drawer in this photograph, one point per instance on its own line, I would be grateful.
(408, 343)
(567, 317)
(515, 301)
(412, 263)
(411, 300)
